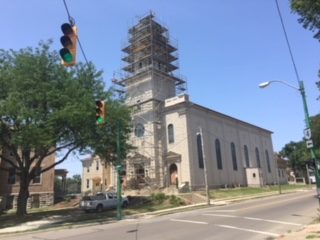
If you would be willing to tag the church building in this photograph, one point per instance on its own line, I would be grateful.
(179, 142)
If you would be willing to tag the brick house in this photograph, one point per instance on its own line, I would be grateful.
(41, 188)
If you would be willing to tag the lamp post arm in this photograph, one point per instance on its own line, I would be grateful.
(288, 84)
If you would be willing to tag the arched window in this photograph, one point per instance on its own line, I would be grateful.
(200, 153)
(258, 158)
(218, 154)
(234, 157)
(268, 161)
(170, 133)
(246, 155)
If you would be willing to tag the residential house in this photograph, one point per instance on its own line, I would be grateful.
(96, 176)
(40, 190)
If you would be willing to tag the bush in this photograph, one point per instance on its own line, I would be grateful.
(158, 197)
(176, 201)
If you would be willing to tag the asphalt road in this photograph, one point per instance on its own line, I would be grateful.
(264, 218)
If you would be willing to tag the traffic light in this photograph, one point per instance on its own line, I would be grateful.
(100, 112)
(69, 42)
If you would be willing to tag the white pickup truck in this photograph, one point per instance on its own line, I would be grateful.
(102, 201)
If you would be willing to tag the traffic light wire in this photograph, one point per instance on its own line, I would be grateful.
(288, 43)
(72, 23)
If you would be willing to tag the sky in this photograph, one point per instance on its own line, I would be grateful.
(226, 49)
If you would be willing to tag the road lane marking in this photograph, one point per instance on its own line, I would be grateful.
(251, 218)
(220, 215)
(187, 221)
(249, 230)
(273, 221)
(257, 205)
(223, 211)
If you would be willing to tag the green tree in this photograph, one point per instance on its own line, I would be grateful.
(74, 184)
(315, 124)
(297, 154)
(309, 11)
(46, 109)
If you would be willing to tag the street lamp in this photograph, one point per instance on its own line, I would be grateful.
(307, 131)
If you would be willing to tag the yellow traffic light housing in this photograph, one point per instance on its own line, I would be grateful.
(69, 42)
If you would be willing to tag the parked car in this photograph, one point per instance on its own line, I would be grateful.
(102, 201)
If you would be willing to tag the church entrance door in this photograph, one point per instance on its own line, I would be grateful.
(173, 169)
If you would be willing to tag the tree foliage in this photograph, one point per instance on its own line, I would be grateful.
(309, 11)
(315, 129)
(73, 185)
(46, 109)
(297, 152)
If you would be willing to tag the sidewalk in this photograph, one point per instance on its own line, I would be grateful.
(308, 232)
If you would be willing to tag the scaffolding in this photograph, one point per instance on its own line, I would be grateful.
(150, 51)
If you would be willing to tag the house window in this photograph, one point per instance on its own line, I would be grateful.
(37, 175)
(234, 157)
(88, 181)
(218, 154)
(246, 155)
(170, 133)
(12, 176)
(88, 169)
(268, 161)
(258, 158)
(200, 153)
(97, 165)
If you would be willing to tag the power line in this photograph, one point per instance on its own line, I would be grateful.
(72, 23)
(288, 43)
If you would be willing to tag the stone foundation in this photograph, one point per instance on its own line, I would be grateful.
(36, 200)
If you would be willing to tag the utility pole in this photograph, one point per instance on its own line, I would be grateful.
(278, 174)
(308, 137)
(119, 169)
(205, 168)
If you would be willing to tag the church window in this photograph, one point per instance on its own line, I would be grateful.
(258, 158)
(246, 155)
(234, 157)
(170, 133)
(268, 161)
(200, 153)
(218, 154)
(139, 130)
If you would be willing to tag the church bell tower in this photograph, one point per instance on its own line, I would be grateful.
(150, 78)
